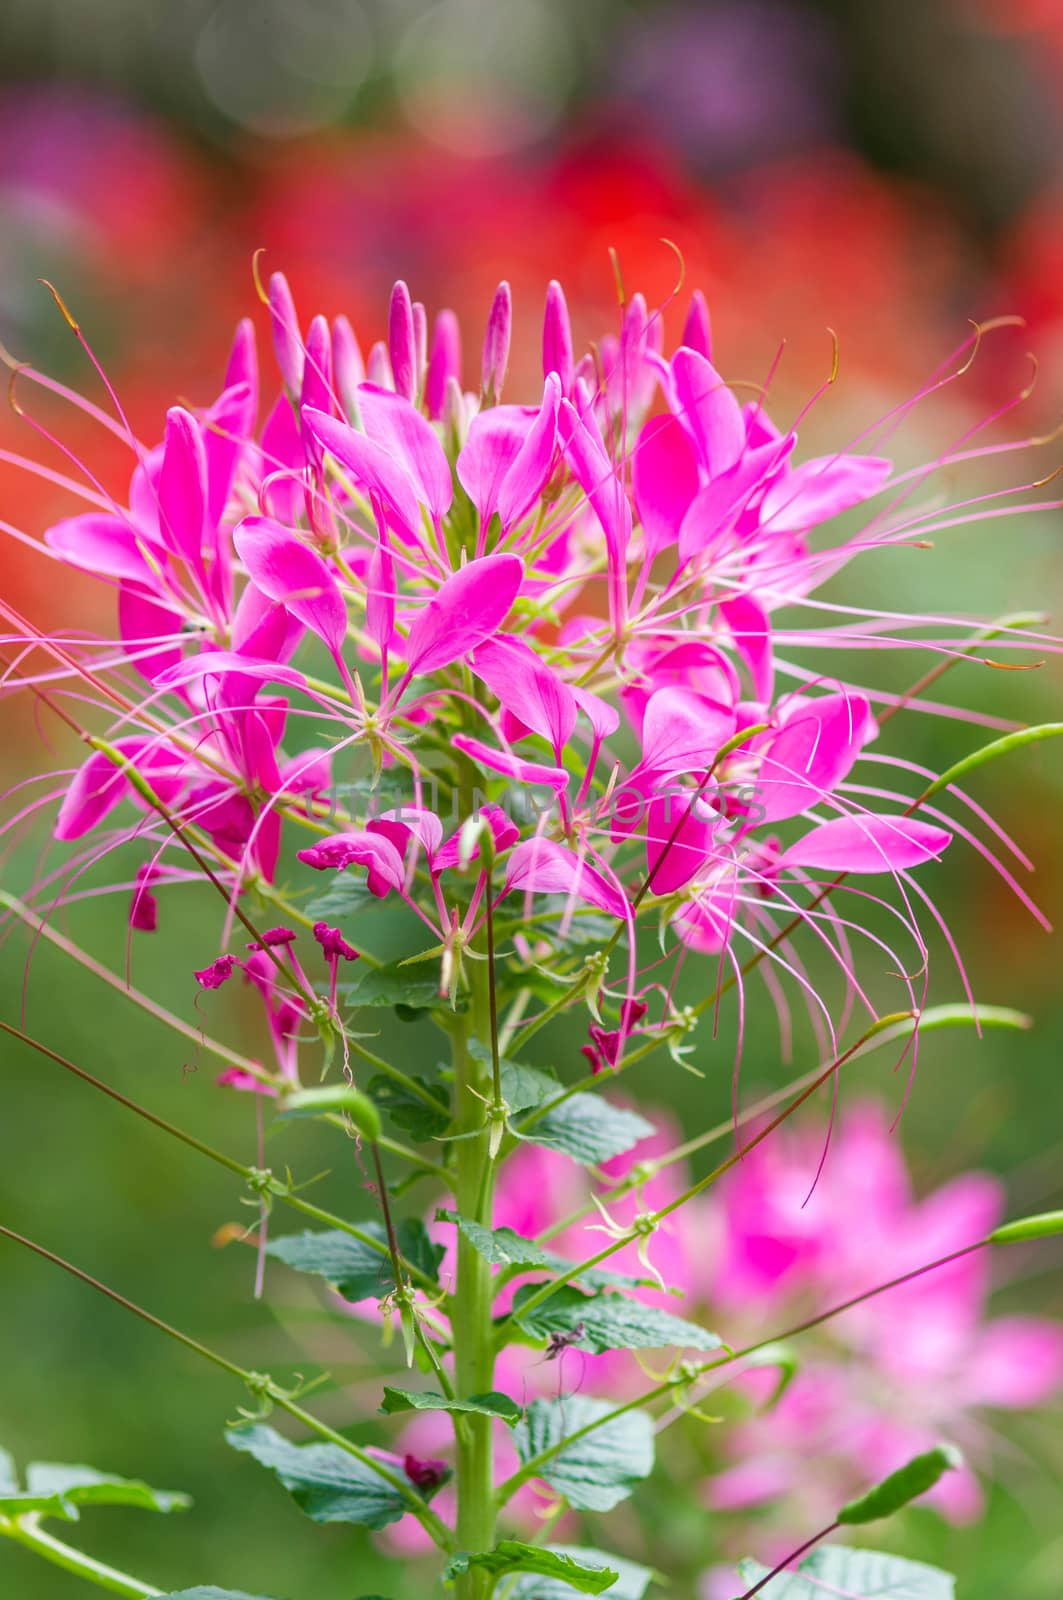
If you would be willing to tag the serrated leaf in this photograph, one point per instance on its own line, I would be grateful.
(585, 1127)
(343, 900)
(858, 1574)
(355, 1268)
(582, 930)
(393, 985)
(513, 1556)
(609, 1322)
(631, 1583)
(523, 1087)
(916, 1477)
(596, 1472)
(324, 1481)
(505, 1248)
(492, 1404)
(408, 1111)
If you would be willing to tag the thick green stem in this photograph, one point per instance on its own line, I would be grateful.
(471, 1308)
(27, 1531)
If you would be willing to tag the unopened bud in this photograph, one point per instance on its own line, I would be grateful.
(496, 344)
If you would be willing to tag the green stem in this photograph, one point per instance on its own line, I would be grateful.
(579, 1269)
(258, 1383)
(471, 1306)
(277, 1189)
(27, 1532)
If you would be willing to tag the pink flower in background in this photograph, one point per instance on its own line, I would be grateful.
(886, 1379)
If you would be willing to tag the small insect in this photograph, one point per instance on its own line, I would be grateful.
(559, 1342)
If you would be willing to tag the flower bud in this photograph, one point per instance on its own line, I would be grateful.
(496, 344)
(445, 362)
(287, 339)
(557, 339)
(348, 367)
(401, 346)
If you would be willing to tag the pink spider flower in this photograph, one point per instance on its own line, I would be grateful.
(918, 1363)
(500, 576)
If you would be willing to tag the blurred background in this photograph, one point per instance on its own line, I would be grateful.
(888, 172)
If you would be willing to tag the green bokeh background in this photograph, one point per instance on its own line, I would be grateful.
(82, 1380)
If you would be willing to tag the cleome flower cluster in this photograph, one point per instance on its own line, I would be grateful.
(577, 642)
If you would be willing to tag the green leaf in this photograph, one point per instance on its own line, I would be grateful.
(609, 1322)
(505, 1248)
(394, 985)
(323, 1480)
(584, 1126)
(631, 1583)
(916, 1477)
(211, 1593)
(341, 1099)
(523, 1087)
(580, 931)
(858, 1574)
(492, 1404)
(408, 1111)
(596, 1472)
(343, 900)
(353, 1267)
(57, 1490)
(511, 1556)
(989, 752)
(1043, 1226)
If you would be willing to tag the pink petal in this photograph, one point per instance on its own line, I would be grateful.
(542, 867)
(679, 832)
(511, 766)
(709, 411)
(406, 823)
(527, 688)
(392, 422)
(99, 785)
(751, 631)
(527, 476)
(1017, 1362)
(219, 663)
(295, 576)
(140, 619)
(467, 609)
(665, 480)
(867, 844)
(371, 467)
(811, 755)
(493, 444)
(226, 429)
(341, 850)
(682, 731)
(183, 487)
(820, 489)
(99, 543)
